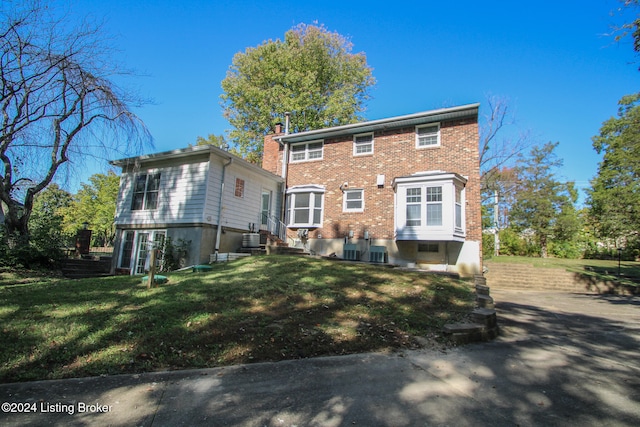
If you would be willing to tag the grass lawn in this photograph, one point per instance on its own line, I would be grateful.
(603, 270)
(251, 310)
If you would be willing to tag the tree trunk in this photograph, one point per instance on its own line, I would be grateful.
(543, 246)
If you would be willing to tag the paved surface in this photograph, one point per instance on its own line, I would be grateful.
(562, 359)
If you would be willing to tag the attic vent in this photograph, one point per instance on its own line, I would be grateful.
(351, 252)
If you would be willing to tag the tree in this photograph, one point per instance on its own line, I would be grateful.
(58, 103)
(614, 197)
(629, 28)
(312, 74)
(47, 219)
(215, 140)
(95, 204)
(542, 203)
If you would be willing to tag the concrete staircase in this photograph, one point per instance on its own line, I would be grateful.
(526, 276)
(484, 325)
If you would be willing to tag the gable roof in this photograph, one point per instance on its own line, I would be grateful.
(416, 119)
(194, 151)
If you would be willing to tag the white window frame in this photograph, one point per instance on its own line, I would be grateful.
(316, 197)
(458, 212)
(452, 190)
(429, 202)
(308, 154)
(420, 145)
(345, 200)
(148, 178)
(357, 145)
(138, 253)
(416, 200)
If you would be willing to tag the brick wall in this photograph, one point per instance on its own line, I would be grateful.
(394, 155)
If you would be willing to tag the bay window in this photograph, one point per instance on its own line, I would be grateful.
(430, 206)
(304, 206)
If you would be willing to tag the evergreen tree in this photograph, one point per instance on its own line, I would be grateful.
(544, 205)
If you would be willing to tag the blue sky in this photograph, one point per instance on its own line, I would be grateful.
(553, 60)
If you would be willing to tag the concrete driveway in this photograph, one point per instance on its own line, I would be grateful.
(562, 360)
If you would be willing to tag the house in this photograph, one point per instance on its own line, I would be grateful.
(201, 196)
(403, 190)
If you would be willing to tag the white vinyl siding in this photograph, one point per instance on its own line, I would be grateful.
(428, 136)
(180, 197)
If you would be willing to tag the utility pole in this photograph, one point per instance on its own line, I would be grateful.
(496, 218)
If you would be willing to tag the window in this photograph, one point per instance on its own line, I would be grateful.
(363, 144)
(304, 207)
(135, 250)
(414, 200)
(430, 206)
(428, 136)
(353, 201)
(145, 191)
(239, 192)
(429, 247)
(127, 249)
(459, 208)
(306, 151)
(434, 206)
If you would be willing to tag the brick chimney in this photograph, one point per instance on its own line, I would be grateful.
(273, 151)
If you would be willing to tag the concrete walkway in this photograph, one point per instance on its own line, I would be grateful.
(562, 359)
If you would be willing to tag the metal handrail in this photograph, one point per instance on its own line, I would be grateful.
(273, 225)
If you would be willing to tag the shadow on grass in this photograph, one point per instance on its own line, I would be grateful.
(559, 367)
(257, 309)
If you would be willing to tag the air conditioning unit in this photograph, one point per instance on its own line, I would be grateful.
(351, 253)
(377, 254)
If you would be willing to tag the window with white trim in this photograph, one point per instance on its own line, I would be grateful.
(414, 209)
(363, 144)
(353, 201)
(458, 208)
(434, 206)
(145, 191)
(304, 207)
(306, 151)
(430, 206)
(428, 136)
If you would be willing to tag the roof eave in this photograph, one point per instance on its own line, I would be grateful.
(416, 119)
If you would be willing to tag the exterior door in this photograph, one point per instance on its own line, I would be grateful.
(142, 250)
(266, 207)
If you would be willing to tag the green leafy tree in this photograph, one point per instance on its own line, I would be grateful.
(46, 221)
(95, 204)
(215, 140)
(312, 74)
(543, 204)
(614, 197)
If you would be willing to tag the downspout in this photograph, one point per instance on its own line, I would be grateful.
(219, 225)
(285, 163)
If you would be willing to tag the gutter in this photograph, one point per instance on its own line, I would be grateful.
(219, 225)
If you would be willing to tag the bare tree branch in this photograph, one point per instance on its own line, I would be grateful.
(57, 96)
